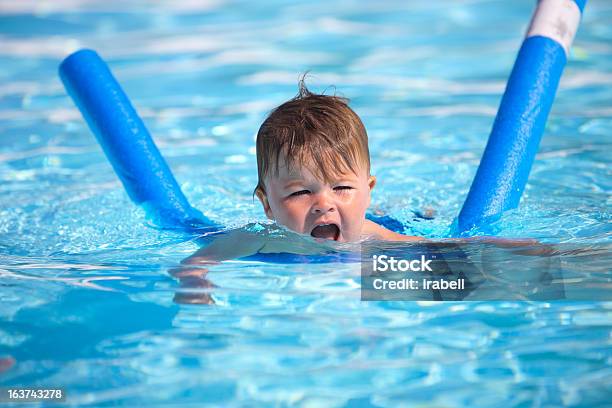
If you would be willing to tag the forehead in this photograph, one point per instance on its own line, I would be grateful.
(308, 170)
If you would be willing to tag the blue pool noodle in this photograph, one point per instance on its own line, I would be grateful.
(127, 143)
(517, 130)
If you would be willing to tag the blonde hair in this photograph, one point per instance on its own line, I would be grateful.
(319, 131)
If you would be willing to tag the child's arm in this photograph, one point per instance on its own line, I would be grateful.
(240, 243)
(230, 245)
(528, 246)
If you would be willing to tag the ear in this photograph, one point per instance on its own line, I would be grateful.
(371, 182)
(264, 202)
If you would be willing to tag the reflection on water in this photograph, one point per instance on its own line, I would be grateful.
(261, 321)
(485, 268)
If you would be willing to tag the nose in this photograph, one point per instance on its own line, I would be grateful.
(322, 204)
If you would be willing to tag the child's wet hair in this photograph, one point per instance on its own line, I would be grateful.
(314, 130)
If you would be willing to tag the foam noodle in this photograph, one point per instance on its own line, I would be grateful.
(519, 124)
(127, 143)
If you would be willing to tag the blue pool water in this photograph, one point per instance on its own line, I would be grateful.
(86, 300)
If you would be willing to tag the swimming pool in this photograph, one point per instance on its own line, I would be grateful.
(87, 303)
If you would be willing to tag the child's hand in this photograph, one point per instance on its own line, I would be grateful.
(192, 277)
(185, 271)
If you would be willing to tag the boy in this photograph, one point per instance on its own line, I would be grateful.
(313, 165)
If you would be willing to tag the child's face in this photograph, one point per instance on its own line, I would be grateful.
(297, 199)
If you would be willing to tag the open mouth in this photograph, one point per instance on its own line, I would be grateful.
(326, 231)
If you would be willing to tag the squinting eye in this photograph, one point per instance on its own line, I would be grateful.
(343, 188)
(299, 193)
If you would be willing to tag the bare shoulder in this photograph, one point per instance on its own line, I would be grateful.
(373, 230)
